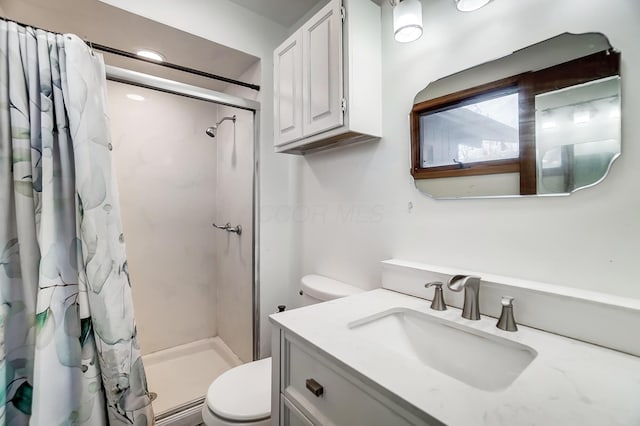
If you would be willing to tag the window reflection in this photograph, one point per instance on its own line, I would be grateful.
(484, 130)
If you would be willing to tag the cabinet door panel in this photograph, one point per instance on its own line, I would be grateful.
(288, 90)
(322, 85)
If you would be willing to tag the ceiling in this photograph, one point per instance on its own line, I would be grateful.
(95, 21)
(283, 12)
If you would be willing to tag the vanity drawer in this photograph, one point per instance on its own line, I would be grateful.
(327, 395)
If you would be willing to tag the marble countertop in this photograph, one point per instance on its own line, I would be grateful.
(568, 383)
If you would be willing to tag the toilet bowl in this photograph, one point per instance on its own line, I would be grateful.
(242, 395)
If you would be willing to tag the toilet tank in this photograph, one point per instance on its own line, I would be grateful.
(317, 288)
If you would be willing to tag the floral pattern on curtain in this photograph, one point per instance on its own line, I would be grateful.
(68, 348)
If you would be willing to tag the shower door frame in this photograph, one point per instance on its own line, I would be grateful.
(148, 81)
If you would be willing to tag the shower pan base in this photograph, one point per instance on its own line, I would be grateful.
(182, 374)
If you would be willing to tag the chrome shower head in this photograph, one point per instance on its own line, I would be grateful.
(211, 131)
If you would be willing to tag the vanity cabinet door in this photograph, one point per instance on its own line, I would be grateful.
(327, 396)
(287, 61)
(291, 416)
(322, 88)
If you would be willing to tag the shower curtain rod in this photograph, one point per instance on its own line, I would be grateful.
(114, 51)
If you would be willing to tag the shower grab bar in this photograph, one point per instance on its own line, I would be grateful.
(227, 227)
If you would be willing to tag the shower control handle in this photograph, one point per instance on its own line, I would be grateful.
(227, 227)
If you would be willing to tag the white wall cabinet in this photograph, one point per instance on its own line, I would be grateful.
(322, 92)
(288, 86)
(311, 389)
(328, 80)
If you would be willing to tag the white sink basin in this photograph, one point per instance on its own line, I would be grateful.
(479, 359)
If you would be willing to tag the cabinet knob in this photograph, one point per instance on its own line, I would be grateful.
(315, 387)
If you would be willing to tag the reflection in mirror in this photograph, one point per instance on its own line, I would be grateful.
(577, 135)
(542, 121)
(484, 130)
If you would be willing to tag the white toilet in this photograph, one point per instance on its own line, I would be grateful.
(242, 395)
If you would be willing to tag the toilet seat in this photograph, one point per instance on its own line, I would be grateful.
(241, 395)
(211, 419)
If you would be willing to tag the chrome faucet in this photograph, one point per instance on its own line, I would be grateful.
(471, 286)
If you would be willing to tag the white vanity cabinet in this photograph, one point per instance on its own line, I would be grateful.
(384, 358)
(328, 80)
(311, 389)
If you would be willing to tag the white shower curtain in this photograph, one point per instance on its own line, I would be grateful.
(68, 346)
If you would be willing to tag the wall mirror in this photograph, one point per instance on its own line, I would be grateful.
(544, 120)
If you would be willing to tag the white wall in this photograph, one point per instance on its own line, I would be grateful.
(357, 199)
(343, 211)
(231, 25)
(166, 172)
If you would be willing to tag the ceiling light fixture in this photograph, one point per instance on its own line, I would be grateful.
(581, 116)
(470, 5)
(615, 113)
(150, 54)
(547, 118)
(134, 97)
(407, 20)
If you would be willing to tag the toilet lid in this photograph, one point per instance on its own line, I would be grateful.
(324, 288)
(242, 393)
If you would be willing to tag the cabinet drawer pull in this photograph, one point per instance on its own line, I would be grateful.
(315, 387)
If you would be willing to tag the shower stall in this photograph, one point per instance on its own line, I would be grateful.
(184, 149)
(185, 164)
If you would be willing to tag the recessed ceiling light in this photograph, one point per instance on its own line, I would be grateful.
(134, 97)
(150, 54)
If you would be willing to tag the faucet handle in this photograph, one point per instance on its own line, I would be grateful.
(437, 304)
(507, 322)
(507, 301)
